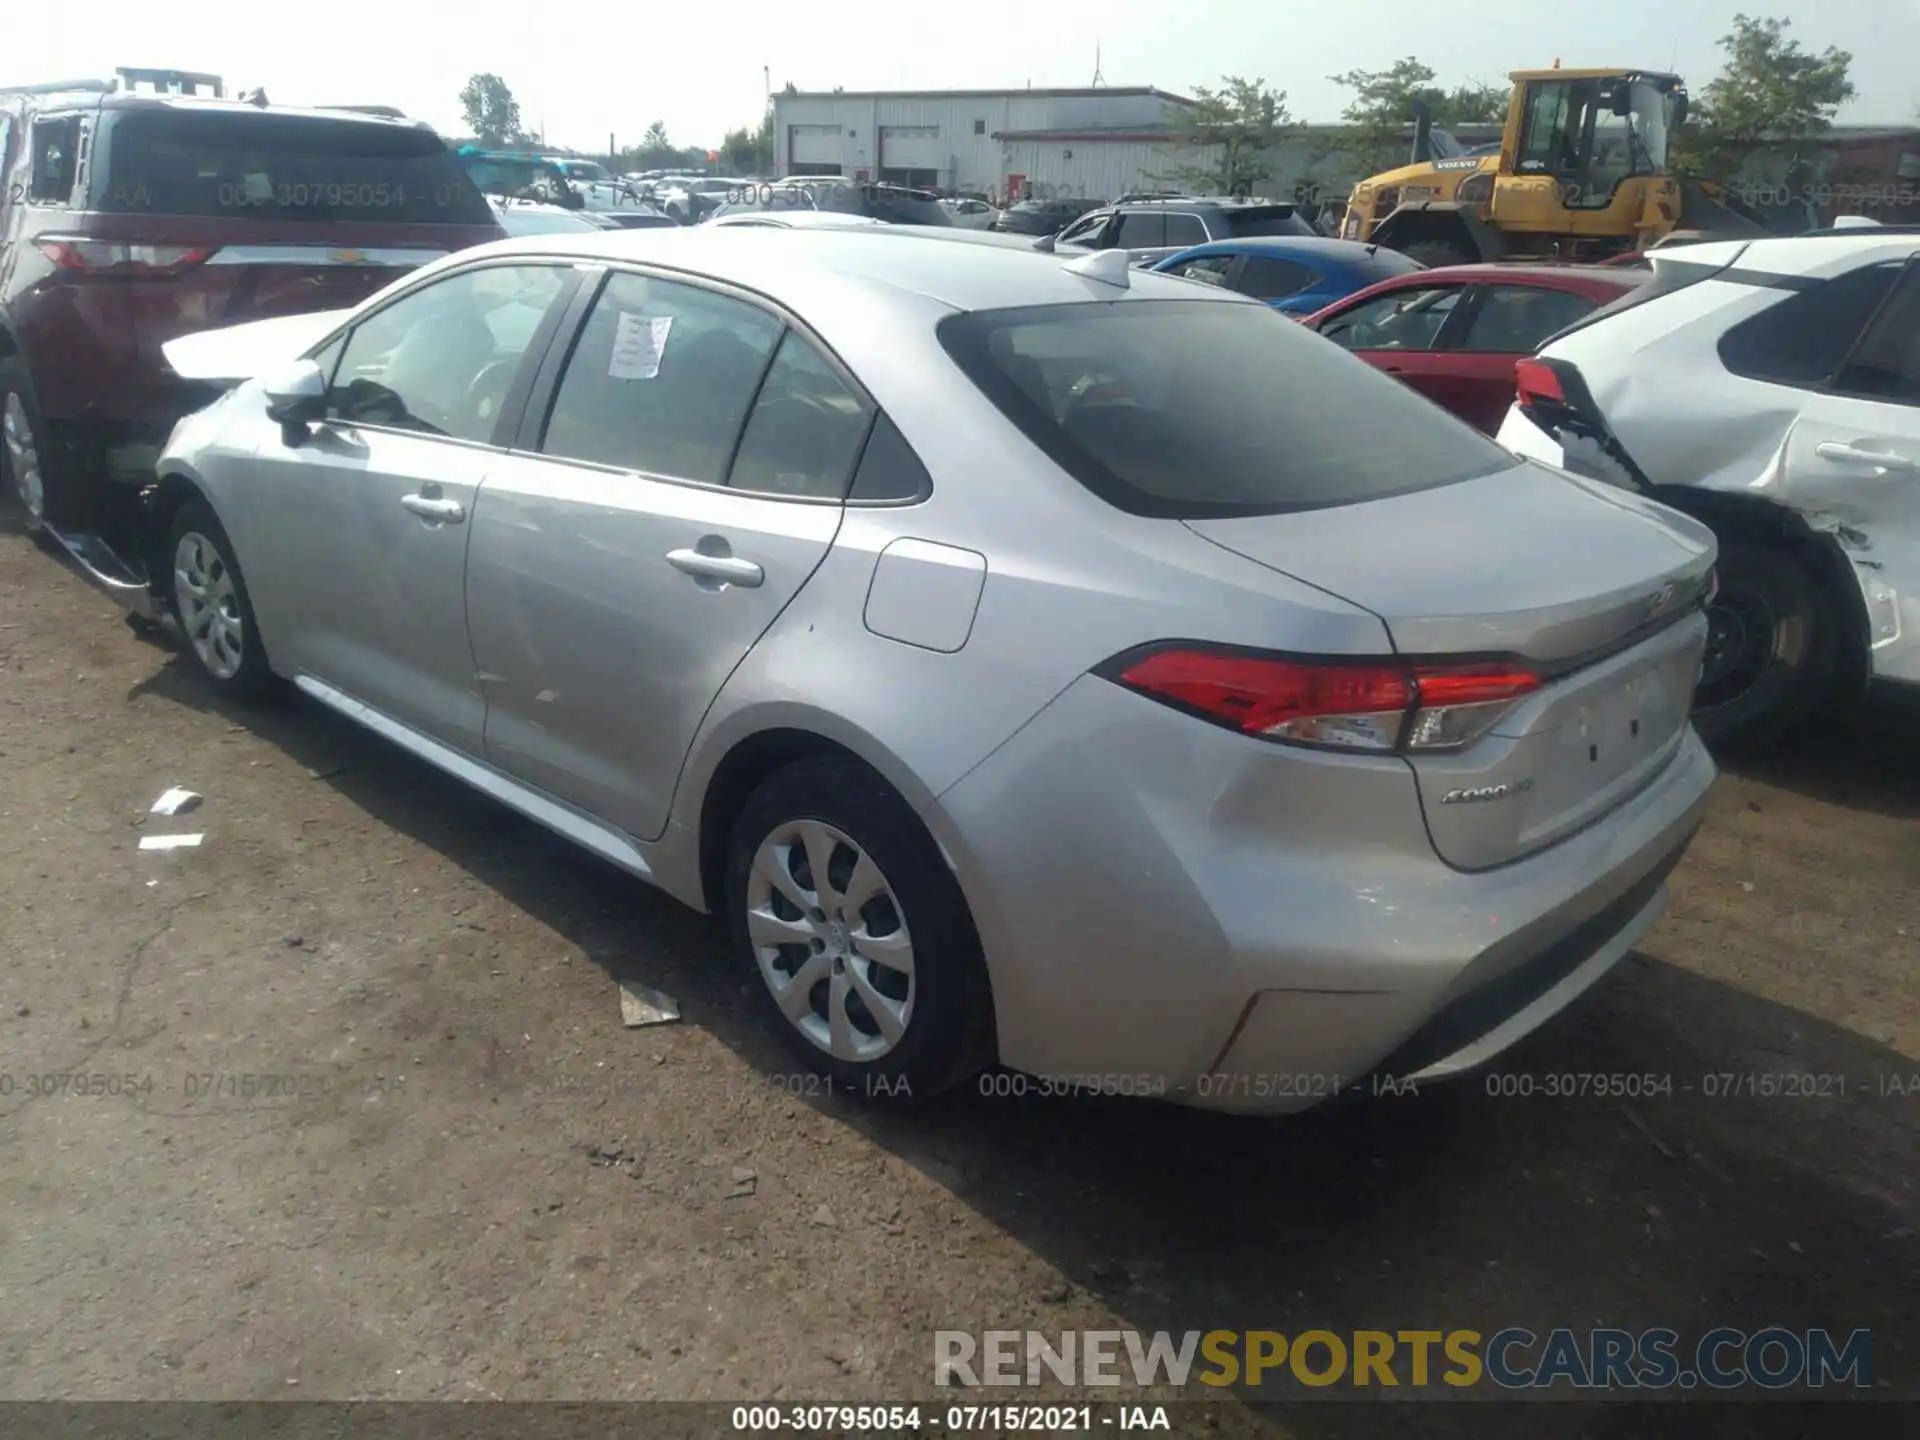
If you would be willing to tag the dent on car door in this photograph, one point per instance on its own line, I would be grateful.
(687, 482)
(1853, 459)
(360, 525)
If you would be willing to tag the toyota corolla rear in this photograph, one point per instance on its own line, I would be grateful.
(203, 214)
(1249, 876)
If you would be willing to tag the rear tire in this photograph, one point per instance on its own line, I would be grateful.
(873, 977)
(1770, 647)
(27, 464)
(1436, 253)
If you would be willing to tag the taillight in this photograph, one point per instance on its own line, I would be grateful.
(1536, 383)
(1380, 705)
(113, 257)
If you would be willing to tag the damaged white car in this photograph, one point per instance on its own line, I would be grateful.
(1770, 388)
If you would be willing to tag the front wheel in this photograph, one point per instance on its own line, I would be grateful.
(1770, 650)
(210, 598)
(857, 933)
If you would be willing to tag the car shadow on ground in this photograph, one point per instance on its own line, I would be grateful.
(1693, 1203)
(1865, 762)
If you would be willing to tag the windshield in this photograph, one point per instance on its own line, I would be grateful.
(585, 170)
(1189, 409)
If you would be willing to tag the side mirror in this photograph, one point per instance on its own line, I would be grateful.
(1679, 111)
(296, 397)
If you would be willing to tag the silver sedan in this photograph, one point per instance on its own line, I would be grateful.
(1029, 660)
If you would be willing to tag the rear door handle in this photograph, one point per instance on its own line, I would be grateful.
(728, 569)
(431, 507)
(1850, 455)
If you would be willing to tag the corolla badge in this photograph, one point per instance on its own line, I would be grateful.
(1479, 793)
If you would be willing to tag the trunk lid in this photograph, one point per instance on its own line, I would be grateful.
(1600, 592)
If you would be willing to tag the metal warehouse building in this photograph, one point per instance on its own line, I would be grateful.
(1095, 142)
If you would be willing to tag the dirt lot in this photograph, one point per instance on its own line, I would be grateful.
(474, 1182)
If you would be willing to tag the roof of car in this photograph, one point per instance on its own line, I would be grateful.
(796, 265)
(1319, 247)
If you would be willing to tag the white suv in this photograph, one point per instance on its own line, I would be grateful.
(1770, 388)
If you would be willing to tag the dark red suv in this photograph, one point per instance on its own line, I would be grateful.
(130, 218)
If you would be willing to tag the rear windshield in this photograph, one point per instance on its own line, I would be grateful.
(1266, 220)
(283, 167)
(1195, 409)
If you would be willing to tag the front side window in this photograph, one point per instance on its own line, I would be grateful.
(439, 361)
(661, 379)
(1517, 319)
(1401, 320)
(1085, 232)
(1167, 408)
(1886, 364)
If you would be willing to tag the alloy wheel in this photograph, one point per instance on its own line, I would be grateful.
(831, 941)
(23, 458)
(203, 587)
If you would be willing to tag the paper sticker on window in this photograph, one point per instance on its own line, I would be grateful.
(257, 187)
(638, 346)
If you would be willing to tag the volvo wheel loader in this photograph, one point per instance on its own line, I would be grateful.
(1582, 174)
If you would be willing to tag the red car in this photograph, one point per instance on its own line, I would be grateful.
(1454, 333)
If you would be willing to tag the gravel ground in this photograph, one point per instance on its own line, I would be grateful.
(470, 1181)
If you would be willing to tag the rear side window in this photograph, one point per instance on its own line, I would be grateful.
(1184, 229)
(661, 379)
(1189, 409)
(805, 430)
(1265, 220)
(1141, 230)
(1515, 319)
(1803, 338)
(56, 144)
(1886, 366)
(1266, 278)
(282, 167)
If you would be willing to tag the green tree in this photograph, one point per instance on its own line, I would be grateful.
(749, 152)
(1383, 104)
(1770, 94)
(490, 110)
(1240, 121)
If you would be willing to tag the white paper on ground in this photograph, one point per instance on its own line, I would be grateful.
(175, 802)
(644, 1005)
(169, 842)
(639, 345)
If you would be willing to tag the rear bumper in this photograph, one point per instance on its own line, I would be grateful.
(1168, 908)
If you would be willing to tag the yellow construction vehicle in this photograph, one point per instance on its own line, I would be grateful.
(1581, 174)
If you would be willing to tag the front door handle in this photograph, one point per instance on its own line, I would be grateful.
(1851, 455)
(727, 569)
(432, 507)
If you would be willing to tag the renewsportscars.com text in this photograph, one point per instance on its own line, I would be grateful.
(1514, 1358)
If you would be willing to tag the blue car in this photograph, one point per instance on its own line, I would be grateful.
(1296, 274)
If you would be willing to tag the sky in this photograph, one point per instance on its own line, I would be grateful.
(583, 72)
